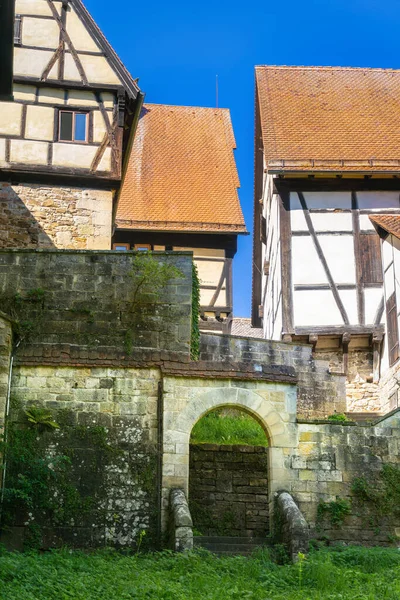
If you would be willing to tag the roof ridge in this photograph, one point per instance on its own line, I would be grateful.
(327, 68)
(185, 106)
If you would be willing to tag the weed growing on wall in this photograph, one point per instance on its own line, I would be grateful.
(378, 496)
(27, 313)
(335, 511)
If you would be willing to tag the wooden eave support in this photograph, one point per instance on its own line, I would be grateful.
(346, 337)
(377, 338)
(313, 339)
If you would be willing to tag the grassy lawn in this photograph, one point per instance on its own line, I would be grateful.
(347, 574)
(236, 427)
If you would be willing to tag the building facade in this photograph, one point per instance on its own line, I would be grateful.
(324, 164)
(180, 193)
(64, 136)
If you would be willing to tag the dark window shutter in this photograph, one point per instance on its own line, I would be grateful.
(371, 261)
(263, 229)
(392, 329)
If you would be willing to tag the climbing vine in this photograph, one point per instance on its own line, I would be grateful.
(380, 494)
(335, 511)
(195, 336)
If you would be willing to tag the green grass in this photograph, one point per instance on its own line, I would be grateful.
(349, 574)
(220, 427)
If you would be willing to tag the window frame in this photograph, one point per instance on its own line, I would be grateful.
(126, 247)
(74, 112)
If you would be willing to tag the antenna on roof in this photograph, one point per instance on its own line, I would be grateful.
(216, 91)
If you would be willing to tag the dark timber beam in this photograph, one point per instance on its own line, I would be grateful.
(6, 48)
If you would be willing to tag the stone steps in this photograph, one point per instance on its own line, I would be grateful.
(229, 545)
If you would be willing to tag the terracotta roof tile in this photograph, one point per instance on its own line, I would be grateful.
(242, 326)
(330, 118)
(182, 174)
(390, 223)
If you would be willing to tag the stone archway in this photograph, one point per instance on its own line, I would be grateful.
(186, 400)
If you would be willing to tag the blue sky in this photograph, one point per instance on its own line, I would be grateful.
(176, 48)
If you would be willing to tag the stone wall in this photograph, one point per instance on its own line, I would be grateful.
(38, 216)
(85, 299)
(320, 393)
(108, 429)
(362, 395)
(389, 389)
(228, 489)
(328, 460)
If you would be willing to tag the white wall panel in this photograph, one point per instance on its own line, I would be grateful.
(339, 254)
(389, 282)
(365, 223)
(372, 298)
(378, 200)
(332, 221)
(316, 308)
(387, 252)
(306, 266)
(349, 301)
(325, 200)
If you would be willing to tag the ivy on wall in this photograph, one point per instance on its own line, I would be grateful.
(195, 335)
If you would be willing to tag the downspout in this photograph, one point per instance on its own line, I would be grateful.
(160, 443)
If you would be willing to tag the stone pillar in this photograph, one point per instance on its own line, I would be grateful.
(5, 358)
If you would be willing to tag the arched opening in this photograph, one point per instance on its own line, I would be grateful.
(228, 475)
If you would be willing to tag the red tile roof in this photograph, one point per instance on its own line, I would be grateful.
(182, 174)
(390, 223)
(330, 118)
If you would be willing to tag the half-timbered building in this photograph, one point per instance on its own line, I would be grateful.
(65, 134)
(327, 145)
(180, 193)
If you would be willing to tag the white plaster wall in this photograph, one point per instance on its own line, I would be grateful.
(10, 118)
(39, 123)
(43, 33)
(272, 284)
(377, 201)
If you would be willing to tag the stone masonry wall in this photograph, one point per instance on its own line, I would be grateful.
(108, 426)
(362, 395)
(328, 460)
(320, 393)
(85, 300)
(38, 216)
(389, 389)
(228, 489)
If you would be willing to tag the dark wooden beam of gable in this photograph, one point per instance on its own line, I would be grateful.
(6, 48)
(108, 140)
(322, 259)
(56, 56)
(61, 62)
(219, 286)
(379, 311)
(358, 258)
(68, 41)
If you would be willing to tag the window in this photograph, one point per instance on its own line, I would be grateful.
(17, 29)
(143, 247)
(73, 126)
(123, 247)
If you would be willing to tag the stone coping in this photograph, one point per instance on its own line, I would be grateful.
(177, 364)
(75, 251)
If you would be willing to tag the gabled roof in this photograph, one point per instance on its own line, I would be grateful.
(329, 118)
(181, 174)
(389, 223)
(126, 79)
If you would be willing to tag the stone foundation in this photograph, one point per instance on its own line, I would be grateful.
(38, 216)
